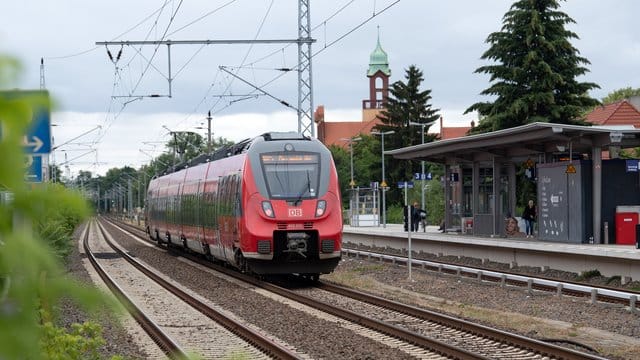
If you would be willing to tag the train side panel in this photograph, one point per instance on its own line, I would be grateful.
(221, 188)
(191, 208)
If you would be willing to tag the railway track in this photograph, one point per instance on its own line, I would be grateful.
(217, 333)
(571, 288)
(426, 329)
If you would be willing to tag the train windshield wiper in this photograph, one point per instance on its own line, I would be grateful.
(306, 189)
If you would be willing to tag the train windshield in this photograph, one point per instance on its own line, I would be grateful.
(291, 176)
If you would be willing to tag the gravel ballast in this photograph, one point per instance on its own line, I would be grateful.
(611, 329)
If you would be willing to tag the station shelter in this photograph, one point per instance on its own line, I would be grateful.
(577, 191)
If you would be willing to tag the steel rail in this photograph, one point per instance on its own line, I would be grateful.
(164, 341)
(564, 287)
(256, 339)
(434, 345)
(536, 346)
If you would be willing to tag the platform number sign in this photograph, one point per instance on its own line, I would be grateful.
(423, 176)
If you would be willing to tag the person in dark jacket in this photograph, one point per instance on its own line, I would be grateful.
(419, 217)
(529, 217)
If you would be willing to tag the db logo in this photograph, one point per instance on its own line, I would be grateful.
(295, 212)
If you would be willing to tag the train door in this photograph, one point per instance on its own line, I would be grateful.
(221, 216)
(229, 216)
(237, 209)
(176, 227)
(199, 208)
(208, 216)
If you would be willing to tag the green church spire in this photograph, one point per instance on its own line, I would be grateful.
(378, 60)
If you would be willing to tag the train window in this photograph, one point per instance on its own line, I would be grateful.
(291, 175)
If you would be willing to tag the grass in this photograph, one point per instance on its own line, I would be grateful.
(589, 274)
(614, 278)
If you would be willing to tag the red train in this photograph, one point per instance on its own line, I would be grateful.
(269, 205)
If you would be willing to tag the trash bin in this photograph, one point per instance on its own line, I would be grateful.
(627, 218)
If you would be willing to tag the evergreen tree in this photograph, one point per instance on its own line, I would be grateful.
(620, 94)
(406, 103)
(534, 71)
(366, 165)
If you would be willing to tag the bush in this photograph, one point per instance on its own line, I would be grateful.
(35, 223)
(395, 214)
(589, 274)
(82, 342)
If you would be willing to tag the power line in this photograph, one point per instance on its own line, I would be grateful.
(120, 35)
(202, 17)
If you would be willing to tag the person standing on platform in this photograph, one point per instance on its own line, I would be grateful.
(529, 217)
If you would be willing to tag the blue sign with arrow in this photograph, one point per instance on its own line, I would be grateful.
(37, 140)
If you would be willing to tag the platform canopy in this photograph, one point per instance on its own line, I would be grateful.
(522, 142)
(500, 151)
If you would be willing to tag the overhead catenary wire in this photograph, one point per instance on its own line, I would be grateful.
(202, 17)
(259, 87)
(149, 62)
(215, 107)
(259, 30)
(330, 44)
(322, 23)
(155, 51)
(116, 37)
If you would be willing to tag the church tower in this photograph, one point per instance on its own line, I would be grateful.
(378, 74)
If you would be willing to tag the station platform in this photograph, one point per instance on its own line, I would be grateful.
(609, 259)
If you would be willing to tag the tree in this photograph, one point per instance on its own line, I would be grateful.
(534, 71)
(366, 164)
(405, 104)
(186, 145)
(620, 94)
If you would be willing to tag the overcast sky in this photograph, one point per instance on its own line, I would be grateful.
(445, 39)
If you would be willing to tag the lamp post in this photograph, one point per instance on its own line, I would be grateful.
(208, 131)
(351, 140)
(384, 183)
(422, 125)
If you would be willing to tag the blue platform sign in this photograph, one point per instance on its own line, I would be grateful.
(408, 184)
(33, 164)
(37, 140)
(632, 165)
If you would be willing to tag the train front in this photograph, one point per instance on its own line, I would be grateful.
(292, 221)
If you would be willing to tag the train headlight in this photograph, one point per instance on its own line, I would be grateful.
(321, 207)
(267, 209)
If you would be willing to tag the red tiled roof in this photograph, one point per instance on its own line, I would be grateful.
(334, 131)
(617, 113)
(453, 132)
